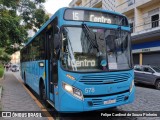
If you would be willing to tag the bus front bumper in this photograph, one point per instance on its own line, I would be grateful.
(70, 104)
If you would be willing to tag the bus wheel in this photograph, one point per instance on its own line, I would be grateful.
(43, 95)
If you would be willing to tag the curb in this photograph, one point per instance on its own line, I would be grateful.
(0, 92)
(2, 77)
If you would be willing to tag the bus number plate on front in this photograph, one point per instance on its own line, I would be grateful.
(109, 101)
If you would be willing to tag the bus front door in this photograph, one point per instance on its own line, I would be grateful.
(49, 49)
(52, 68)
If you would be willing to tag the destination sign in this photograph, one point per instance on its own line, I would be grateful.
(95, 16)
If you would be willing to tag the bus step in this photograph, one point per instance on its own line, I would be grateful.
(51, 103)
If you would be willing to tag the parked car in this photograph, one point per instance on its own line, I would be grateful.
(147, 74)
(15, 68)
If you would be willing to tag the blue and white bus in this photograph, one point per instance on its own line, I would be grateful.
(80, 60)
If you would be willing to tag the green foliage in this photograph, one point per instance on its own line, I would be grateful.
(16, 18)
(40, 16)
(11, 30)
(1, 70)
(4, 57)
(32, 12)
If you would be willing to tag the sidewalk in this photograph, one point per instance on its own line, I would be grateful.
(15, 97)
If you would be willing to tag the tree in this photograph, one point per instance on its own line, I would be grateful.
(11, 30)
(16, 18)
(32, 12)
(4, 57)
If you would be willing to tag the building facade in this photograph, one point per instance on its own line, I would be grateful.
(144, 19)
(15, 58)
(103, 4)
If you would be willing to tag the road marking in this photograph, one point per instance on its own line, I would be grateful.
(36, 100)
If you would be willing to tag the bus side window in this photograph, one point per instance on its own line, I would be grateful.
(42, 47)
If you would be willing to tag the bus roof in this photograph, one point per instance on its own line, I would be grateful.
(63, 9)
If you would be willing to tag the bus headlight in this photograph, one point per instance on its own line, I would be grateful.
(131, 86)
(72, 90)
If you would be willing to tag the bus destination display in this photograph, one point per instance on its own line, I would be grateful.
(94, 16)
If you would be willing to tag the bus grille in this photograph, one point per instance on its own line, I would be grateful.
(104, 79)
(97, 102)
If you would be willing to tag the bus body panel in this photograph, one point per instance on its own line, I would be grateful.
(69, 103)
(33, 73)
(99, 88)
(101, 92)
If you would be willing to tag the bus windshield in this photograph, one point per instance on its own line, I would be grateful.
(95, 49)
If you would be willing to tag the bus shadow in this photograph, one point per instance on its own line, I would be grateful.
(93, 115)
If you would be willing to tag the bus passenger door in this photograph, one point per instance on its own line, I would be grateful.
(52, 67)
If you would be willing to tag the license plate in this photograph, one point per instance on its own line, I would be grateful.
(109, 101)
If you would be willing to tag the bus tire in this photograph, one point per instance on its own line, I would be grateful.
(43, 94)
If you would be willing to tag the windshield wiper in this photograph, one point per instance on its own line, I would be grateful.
(88, 33)
(120, 22)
